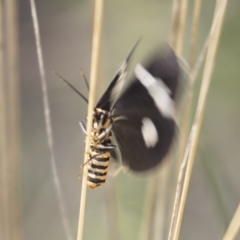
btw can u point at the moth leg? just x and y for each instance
(100, 123)
(105, 132)
(83, 127)
(103, 147)
(84, 164)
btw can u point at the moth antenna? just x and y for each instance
(83, 127)
(85, 78)
(135, 45)
(71, 86)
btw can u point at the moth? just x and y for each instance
(141, 118)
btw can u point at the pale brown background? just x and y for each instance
(66, 30)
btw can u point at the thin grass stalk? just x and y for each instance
(176, 41)
(193, 76)
(3, 140)
(163, 183)
(13, 212)
(193, 139)
(111, 210)
(149, 209)
(151, 204)
(176, 37)
(182, 23)
(188, 99)
(192, 56)
(174, 28)
(97, 28)
(47, 115)
(171, 185)
(154, 219)
(234, 226)
(194, 33)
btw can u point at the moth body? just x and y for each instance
(141, 118)
(100, 148)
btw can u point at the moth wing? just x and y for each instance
(115, 163)
(108, 98)
(139, 153)
(144, 124)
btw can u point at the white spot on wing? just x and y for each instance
(149, 133)
(157, 90)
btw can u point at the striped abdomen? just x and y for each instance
(97, 168)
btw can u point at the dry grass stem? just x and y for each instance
(3, 143)
(177, 28)
(184, 126)
(194, 33)
(11, 189)
(174, 28)
(182, 22)
(179, 10)
(160, 218)
(111, 210)
(234, 226)
(48, 122)
(149, 211)
(186, 114)
(193, 139)
(200, 59)
(98, 14)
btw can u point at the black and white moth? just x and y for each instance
(141, 118)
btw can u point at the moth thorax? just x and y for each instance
(101, 123)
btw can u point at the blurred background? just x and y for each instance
(66, 35)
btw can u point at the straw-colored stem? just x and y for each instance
(176, 38)
(194, 136)
(11, 192)
(150, 209)
(179, 11)
(48, 124)
(182, 22)
(111, 210)
(163, 196)
(194, 33)
(234, 226)
(3, 143)
(174, 28)
(188, 99)
(98, 14)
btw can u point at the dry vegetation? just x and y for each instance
(174, 199)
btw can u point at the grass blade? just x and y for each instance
(3, 141)
(193, 139)
(11, 188)
(194, 33)
(98, 14)
(234, 226)
(48, 122)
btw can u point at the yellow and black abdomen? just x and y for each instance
(97, 168)
(98, 161)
